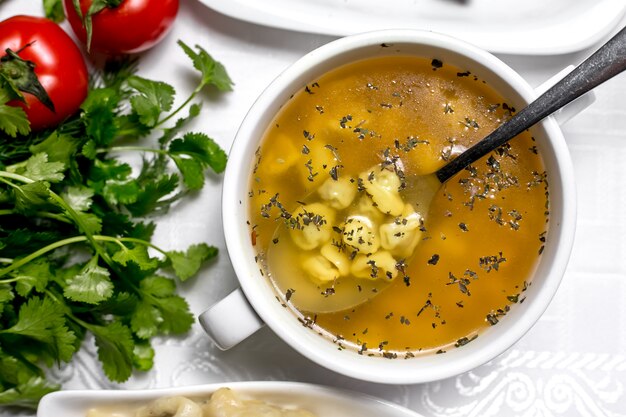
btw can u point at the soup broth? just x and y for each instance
(359, 244)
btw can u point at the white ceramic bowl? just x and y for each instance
(323, 401)
(260, 295)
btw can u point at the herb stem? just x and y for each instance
(46, 214)
(72, 213)
(182, 106)
(131, 148)
(6, 260)
(23, 261)
(142, 242)
(76, 239)
(17, 177)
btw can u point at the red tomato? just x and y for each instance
(133, 26)
(59, 66)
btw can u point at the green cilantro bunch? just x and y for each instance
(75, 232)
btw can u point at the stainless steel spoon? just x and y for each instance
(604, 64)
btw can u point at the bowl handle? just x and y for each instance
(572, 109)
(230, 320)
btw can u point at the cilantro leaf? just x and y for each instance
(91, 285)
(6, 293)
(124, 192)
(13, 120)
(173, 311)
(192, 154)
(120, 304)
(176, 316)
(90, 223)
(33, 275)
(89, 150)
(145, 320)
(158, 286)
(78, 197)
(59, 147)
(191, 170)
(54, 10)
(187, 264)
(150, 195)
(28, 393)
(213, 72)
(138, 255)
(100, 111)
(37, 168)
(115, 350)
(31, 197)
(143, 356)
(153, 98)
(43, 320)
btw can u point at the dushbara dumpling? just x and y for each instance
(383, 186)
(401, 236)
(337, 257)
(359, 232)
(380, 265)
(319, 268)
(314, 225)
(338, 193)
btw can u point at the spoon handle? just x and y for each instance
(604, 64)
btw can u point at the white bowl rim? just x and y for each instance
(51, 405)
(402, 372)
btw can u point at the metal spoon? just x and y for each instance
(605, 63)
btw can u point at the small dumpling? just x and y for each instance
(277, 160)
(313, 225)
(383, 185)
(171, 406)
(315, 163)
(338, 193)
(365, 207)
(380, 265)
(402, 235)
(319, 268)
(337, 257)
(360, 233)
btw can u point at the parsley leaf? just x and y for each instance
(213, 72)
(30, 197)
(38, 168)
(33, 275)
(43, 320)
(153, 98)
(115, 350)
(28, 393)
(91, 285)
(13, 119)
(54, 10)
(143, 356)
(201, 148)
(138, 255)
(186, 264)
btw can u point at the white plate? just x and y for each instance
(323, 401)
(534, 27)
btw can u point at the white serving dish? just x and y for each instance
(531, 27)
(323, 401)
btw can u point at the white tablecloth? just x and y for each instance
(572, 362)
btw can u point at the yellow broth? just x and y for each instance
(480, 237)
